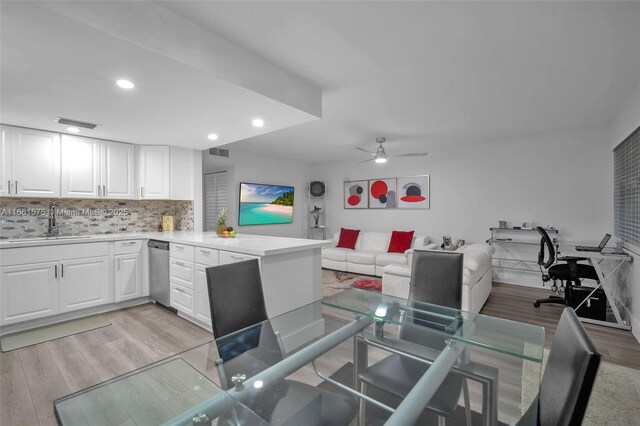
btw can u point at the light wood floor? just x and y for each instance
(516, 303)
(32, 378)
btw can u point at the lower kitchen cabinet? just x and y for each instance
(227, 257)
(128, 276)
(182, 299)
(203, 311)
(28, 292)
(84, 283)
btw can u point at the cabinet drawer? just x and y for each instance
(207, 256)
(182, 299)
(231, 257)
(181, 251)
(129, 246)
(181, 272)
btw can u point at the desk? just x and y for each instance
(595, 259)
(185, 389)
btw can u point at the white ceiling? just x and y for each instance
(420, 73)
(56, 65)
(425, 73)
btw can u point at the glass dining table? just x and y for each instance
(328, 344)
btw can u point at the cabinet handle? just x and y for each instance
(128, 243)
(237, 257)
(142, 191)
(55, 271)
(179, 264)
(16, 188)
(179, 247)
(9, 186)
(62, 270)
(99, 195)
(180, 290)
(104, 190)
(205, 251)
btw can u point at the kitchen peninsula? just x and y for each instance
(48, 280)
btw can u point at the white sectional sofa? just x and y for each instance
(476, 284)
(370, 255)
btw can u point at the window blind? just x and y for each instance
(626, 191)
(216, 197)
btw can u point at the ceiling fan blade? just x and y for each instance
(366, 161)
(415, 154)
(364, 150)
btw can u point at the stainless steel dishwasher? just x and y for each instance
(159, 274)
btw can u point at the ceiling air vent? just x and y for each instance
(76, 123)
(220, 152)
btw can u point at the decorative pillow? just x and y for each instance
(348, 238)
(400, 241)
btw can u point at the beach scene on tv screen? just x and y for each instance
(265, 204)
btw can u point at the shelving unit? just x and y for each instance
(518, 263)
(316, 230)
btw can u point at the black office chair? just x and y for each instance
(436, 278)
(247, 345)
(569, 273)
(568, 378)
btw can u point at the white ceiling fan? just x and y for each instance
(380, 156)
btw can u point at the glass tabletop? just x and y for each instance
(151, 396)
(255, 375)
(513, 338)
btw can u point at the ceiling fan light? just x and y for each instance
(380, 160)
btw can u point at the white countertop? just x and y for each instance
(258, 245)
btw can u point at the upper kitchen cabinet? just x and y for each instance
(181, 173)
(35, 164)
(6, 176)
(118, 177)
(154, 172)
(97, 169)
(81, 167)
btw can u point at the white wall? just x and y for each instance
(628, 291)
(561, 179)
(250, 167)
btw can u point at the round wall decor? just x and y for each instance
(316, 188)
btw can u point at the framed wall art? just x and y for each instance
(356, 194)
(382, 193)
(413, 192)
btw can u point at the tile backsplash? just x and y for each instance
(28, 217)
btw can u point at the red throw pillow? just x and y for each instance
(400, 241)
(348, 238)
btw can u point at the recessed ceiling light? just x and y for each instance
(258, 122)
(125, 84)
(212, 137)
(73, 129)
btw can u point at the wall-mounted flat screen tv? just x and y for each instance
(265, 204)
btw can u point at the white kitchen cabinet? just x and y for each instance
(6, 175)
(97, 169)
(128, 276)
(202, 310)
(181, 173)
(84, 283)
(28, 291)
(81, 167)
(226, 257)
(154, 172)
(182, 299)
(118, 177)
(35, 160)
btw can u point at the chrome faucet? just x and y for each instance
(52, 230)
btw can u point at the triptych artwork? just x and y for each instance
(411, 192)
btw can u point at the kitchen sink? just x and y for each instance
(70, 237)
